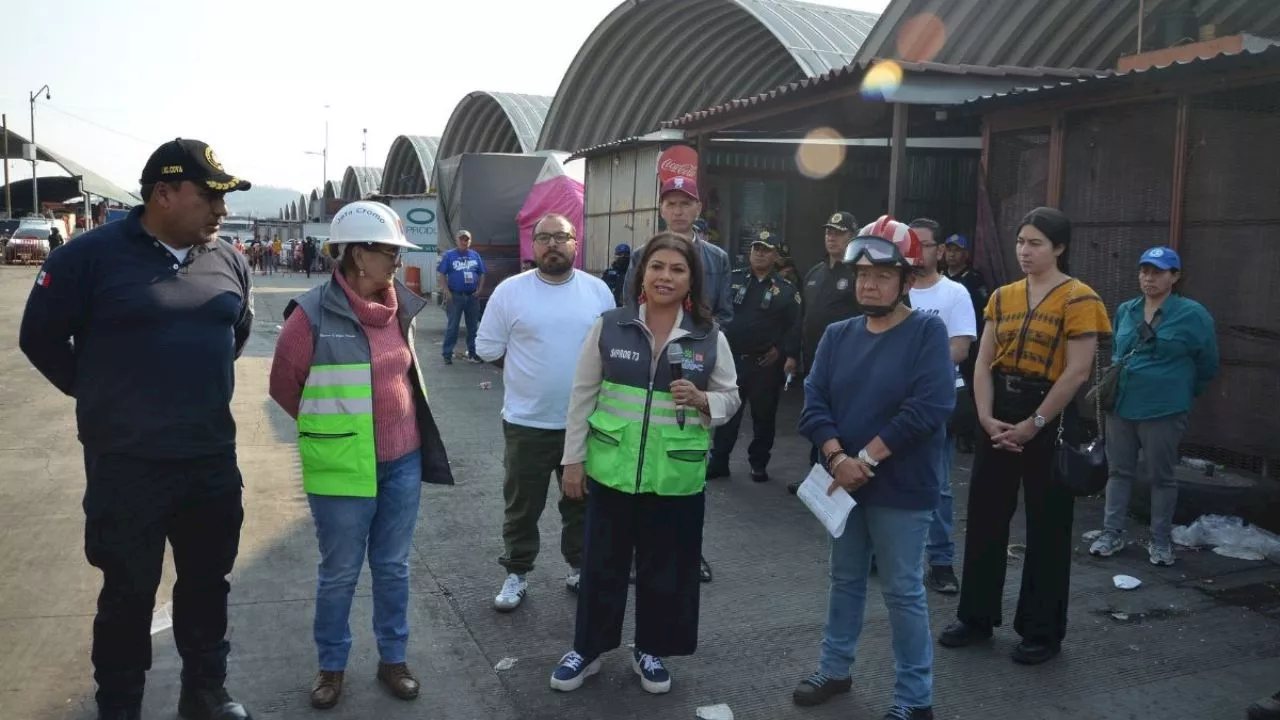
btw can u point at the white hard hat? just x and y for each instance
(366, 221)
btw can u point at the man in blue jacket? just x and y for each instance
(876, 404)
(460, 276)
(141, 321)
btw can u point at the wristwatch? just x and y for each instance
(1039, 421)
(865, 458)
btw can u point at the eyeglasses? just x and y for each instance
(560, 238)
(391, 252)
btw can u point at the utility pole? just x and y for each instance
(8, 196)
(364, 145)
(35, 149)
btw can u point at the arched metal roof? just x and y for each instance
(315, 202)
(332, 190)
(304, 207)
(652, 60)
(494, 122)
(1055, 33)
(409, 164)
(360, 182)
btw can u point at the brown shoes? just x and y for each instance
(327, 690)
(399, 680)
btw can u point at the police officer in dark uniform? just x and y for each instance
(141, 321)
(829, 294)
(765, 339)
(959, 267)
(828, 286)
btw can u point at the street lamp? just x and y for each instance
(35, 149)
(325, 165)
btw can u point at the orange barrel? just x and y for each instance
(413, 278)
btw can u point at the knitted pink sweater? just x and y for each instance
(395, 422)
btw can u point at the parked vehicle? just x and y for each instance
(29, 243)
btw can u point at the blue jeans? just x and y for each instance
(345, 527)
(897, 538)
(458, 306)
(941, 548)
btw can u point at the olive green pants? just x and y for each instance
(532, 454)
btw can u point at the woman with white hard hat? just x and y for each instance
(345, 368)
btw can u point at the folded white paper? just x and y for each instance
(831, 510)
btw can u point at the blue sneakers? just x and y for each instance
(572, 671)
(654, 677)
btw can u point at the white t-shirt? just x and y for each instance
(540, 329)
(950, 301)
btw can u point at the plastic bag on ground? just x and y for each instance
(1228, 536)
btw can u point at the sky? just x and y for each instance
(252, 77)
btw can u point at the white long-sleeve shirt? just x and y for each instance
(539, 328)
(722, 387)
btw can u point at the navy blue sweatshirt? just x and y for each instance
(898, 385)
(144, 344)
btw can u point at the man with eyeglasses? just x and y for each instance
(460, 276)
(534, 328)
(935, 294)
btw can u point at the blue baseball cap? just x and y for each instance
(959, 241)
(622, 249)
(1164, 258)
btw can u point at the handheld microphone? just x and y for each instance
(675, 357)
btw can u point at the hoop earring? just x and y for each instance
(643, 298)
(688, 304)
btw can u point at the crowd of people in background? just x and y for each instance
(629, 388)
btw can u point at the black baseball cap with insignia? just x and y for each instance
(843, 221)
(192, 160)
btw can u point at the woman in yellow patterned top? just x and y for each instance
(1037, 349)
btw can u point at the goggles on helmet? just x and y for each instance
(877, 251)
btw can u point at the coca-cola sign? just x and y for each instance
(678, 161)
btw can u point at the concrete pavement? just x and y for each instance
(1197, 641)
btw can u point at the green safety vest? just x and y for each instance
(635, 444)
(336, 440)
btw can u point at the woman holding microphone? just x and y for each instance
(651, 382)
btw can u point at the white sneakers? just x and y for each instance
(573, 580)
(514, 588)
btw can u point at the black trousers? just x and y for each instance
(1046, 568)
(761, 389)
(665, 535)
(132, 506)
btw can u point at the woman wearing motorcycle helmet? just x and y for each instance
(877, 400)
(346, 370)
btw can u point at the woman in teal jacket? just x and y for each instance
(1168, 348)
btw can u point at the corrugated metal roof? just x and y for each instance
(409, 164)
(853, 74)
(94, 183)
(656, 136)
(494, 122)
(360, 182)
(1223, 62)
(1055, 33)
(332, 189)
(650, 60)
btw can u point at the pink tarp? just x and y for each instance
(558, 193)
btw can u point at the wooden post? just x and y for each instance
(898, 159)
(1181, 137)
(1057, 160)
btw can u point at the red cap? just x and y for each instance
(680, 184)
